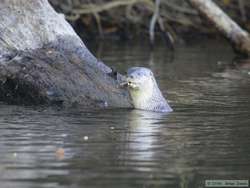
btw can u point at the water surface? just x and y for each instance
(206, 137)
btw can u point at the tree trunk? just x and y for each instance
(237, 36)
(42, 60)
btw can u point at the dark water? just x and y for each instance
(206, 137)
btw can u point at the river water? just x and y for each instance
(206, 137)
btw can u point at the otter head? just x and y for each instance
(141, 83)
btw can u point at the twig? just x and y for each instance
(72, 17)
(153, 22)
(181, 9)
(87, 9)
(98, 21)
(167, 35)
(134, 19)
(242, 10)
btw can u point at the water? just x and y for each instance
(206, 137)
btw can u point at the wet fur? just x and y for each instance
(150, 98)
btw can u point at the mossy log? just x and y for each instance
(239, 38)
(43, 61)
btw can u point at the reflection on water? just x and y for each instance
(206, 137)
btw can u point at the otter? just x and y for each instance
(144, 90)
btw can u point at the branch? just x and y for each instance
(229, 28)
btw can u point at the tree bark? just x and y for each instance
(42, 60)
(231, 30)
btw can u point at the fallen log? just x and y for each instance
(239, 38)
(43, 61)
